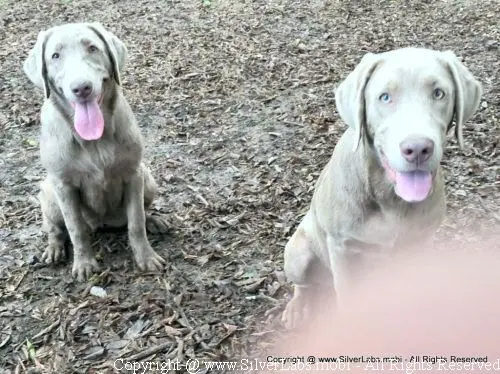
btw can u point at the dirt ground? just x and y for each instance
(235, 99)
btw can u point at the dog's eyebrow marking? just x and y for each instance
(392, 86)
(433, 82)
(86, 41)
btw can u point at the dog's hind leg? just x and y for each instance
(155, 223)
(150, 187)
(53, 224)
(304, 270)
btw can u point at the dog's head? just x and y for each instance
(77, 62)
(402, 103)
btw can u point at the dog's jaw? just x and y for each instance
(412, 186)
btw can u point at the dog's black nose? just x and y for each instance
(82, 89)
(417, 149)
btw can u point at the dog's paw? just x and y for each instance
(157, 224)
(149, 260)
(294, 313)
(53, 253)
(84, 268)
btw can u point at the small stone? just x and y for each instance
(98, 291)
(301, 47)
(484, 105)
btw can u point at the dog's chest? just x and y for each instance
(378, 230)
(102, 195)
(108, 159)
(101, 173)
(392, 231)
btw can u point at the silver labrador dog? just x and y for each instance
(90, 146)
(383, 189)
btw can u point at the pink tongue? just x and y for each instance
(89, 122)
(413, 186)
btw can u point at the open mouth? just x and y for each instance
(88, 119)
(411, 186)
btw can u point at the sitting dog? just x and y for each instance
(90, 146)
(382, 190)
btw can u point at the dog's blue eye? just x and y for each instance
(385, 97)
(55, 56)
(92, 48)
(438, 93)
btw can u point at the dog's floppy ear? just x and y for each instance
(34, 66)
(350, 95)
(468, 92)
(117, 51)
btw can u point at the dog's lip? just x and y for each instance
(391, 172)
(99, 101)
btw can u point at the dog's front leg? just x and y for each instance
(84, 262)
(146, 258)
(340, 268)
